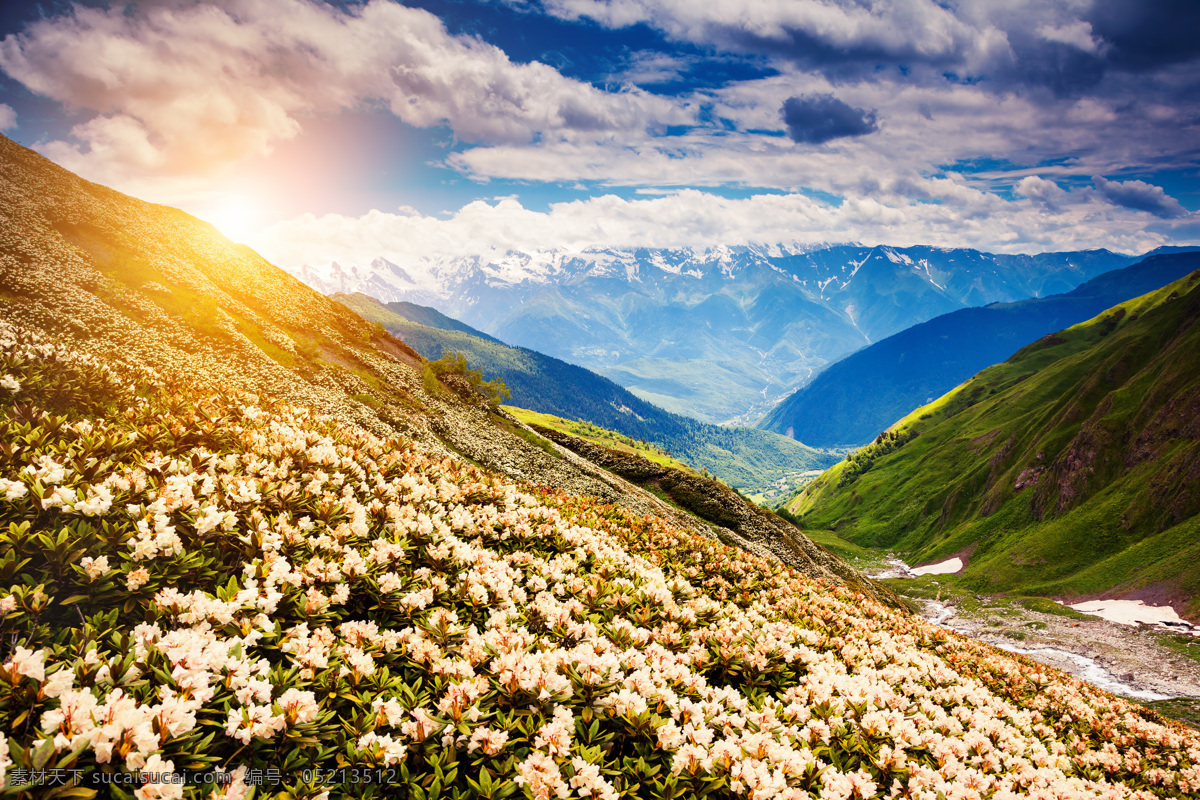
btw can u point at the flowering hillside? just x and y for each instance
(109, 273)
(246, 596)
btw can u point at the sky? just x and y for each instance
(319, 131)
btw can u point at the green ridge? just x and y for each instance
(1071, 469)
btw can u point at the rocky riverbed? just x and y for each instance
(1144, 662)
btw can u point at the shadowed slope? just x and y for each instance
(850, 402)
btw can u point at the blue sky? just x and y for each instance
(320, 131)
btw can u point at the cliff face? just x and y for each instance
(154, 286)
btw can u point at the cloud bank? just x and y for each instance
(692, 218)
(1025, 125)
(190, 88)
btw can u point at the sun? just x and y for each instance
(235, 215)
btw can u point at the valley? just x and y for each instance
(1155, 664)
(750, 459)
(720, 334)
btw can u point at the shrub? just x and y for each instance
(494, 391)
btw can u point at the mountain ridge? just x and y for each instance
(1072, 469)
(720, 333)
(853, 400)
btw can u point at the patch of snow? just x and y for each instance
(942, 568)
(1131, 612)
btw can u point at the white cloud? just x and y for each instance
(187, 88)
(1077, 34)
(956, 216)
(1139, 196)
(921, 28)
(8, 117)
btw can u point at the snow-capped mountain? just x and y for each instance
(719, 333)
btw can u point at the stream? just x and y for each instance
(1083, 667)
(1127, 648)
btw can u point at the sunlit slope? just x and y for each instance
(156, 285)
(1073, 468)
(206, 580)
(745, 457)
(597, 435)
(112, 274)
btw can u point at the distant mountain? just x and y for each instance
(719, 333)
(850, 402)
(432, 318)
(1072, 469)
(745, 457)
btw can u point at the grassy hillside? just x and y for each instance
(1071, 469)
(749, 459)
(602, 436)
(852, 401)
(208, 583)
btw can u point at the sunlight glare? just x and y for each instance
(235, 215)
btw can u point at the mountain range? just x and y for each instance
(720, 333)
(1072, 469)
(852, 401)
(747, 458)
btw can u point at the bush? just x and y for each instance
(493, 391)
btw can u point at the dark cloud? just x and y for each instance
(1062, 68)
(1148, 34)
(818, 118)
(1140, 196)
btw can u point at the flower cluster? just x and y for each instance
(217, 580)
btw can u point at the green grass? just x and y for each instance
(366, 400)
(1107, 509)
(1048, 606)
(527, 435)
(601, 436)
(1184, 709)
(1181, 643)
(847, 551)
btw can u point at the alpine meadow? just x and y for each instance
(596, 400)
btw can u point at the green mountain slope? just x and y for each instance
(850, 402)
(744, 457)
(1071, 469)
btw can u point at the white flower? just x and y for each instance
(13, 490)
(137, 579)
(94, 567)
(5, 761)
(30, 663)
(10, 383)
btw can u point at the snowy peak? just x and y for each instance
(718, 332)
